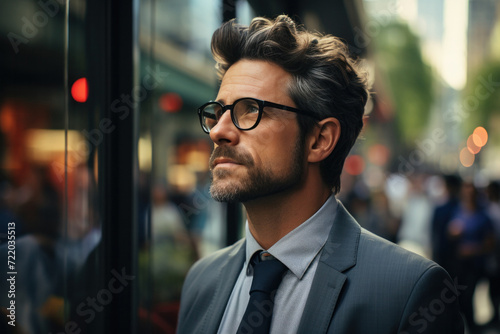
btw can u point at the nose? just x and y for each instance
(225, 132)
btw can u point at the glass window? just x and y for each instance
(61, 118)
(49, 218)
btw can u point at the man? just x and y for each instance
(289, 109)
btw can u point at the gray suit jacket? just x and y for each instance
(363, 284)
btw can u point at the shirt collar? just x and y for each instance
(297, 249)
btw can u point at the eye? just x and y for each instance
(218, 112)
(252, 109)
(247, 107)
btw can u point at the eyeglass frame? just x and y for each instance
(261, 103)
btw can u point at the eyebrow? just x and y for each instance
(221, 101)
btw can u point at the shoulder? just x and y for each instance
(206, 280)
(370, 261)
(389, 266)
(367, 252)
(392, 266)
(403, 284)
(388, 255)
(206, 268)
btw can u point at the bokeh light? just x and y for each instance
(170, 102)
(480, 136)
(354, 164)
(466, 157)
(80, 90)
(471, 145)
(378, 154)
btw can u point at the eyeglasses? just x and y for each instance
(245, 113)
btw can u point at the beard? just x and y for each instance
(258, 182)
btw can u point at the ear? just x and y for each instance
(323, 139)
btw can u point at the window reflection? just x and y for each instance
(31, 186)
(48, 162)
(47, 183)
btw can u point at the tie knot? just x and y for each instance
(267, 274)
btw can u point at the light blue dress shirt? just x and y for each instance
(299, 251)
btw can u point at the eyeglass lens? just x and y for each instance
(245, 114)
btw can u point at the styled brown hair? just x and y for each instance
(326, 81)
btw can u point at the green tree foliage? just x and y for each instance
(408, 78)
(481, 98)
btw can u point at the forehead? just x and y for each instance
(255, 78)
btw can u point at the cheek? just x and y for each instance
(277, 155)
(275, 143)
(272, 130)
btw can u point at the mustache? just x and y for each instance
(232, 153)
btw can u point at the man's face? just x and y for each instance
(267, 160)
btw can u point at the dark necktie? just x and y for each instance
(267, 275)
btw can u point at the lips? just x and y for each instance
(229, 155)
(223, 160)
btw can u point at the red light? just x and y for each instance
(170, 102)
(80, 90)
(354, 165)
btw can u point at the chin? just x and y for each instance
(224, 192)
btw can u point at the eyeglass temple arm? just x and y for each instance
(295, 110)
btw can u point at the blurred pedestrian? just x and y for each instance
(472, 230)
(442, 247)
(414, 231)
(493, 192)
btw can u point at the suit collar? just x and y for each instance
(338, 255)
(341, 248)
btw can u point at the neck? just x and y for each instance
(272, 217)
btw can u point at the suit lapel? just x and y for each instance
(338, 255)
(228, 275)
